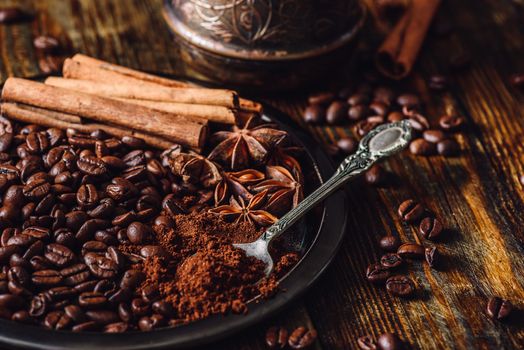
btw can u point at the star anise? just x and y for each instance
(240, 210)
(234, 183)
(285, 189)
(193, 168)
(251, 144)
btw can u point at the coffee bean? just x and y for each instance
(366, 342)
(87, 196)
(86, 327)
(433, 136)
(276, 337)
(399, 285)
(433, 257)
(451, 122)
(358, 112)
(517, 79)
(75, 313)
(498, 308)
(379, 108)
(302, 338)
(389, 243)
(389, 341)
(23, 317)
(336, 112)
(102, 316)
(411, 251)
(391, 260)
(131, 279)
(376, 273)
(448, 148)
(149, 251)
(139, 307)
(418, 122)
(347, 145)
(138, 232)
(365, 126)
(358, 99)
(39, 305)
(117, 327)
(46, 278)
(92, 300)
(75, 274)
(430, 228)
(166, 309)
(92, 166)
(377, 176)
(7, 251)
(314, 114)
(101, 266)
(409, 100)
(134, 158)
(322, 98)
(410, 210)
(395, 117)
(59, 255)
(9, 15)
(121, 189)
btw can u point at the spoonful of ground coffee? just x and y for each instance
(381, 142)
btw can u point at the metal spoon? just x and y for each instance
(379, 143)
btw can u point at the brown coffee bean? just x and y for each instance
(399, 285)
(433, 257)
(39, 305)
(75, 313)
(389, 243)
(448, 148)
(358, 99)
(9, 15)
(376, 273)
(276, 337)
(336, 112)
(23, 317)
(321, 98)
(366, 342)
(391, 260)
(117, 327)
(92, 300)
(517, 79)
(379, 108)
(75, 274)
(451, 122)
(433, 136)
(102, 316)
(365, 126)
(86, 327)
(139, 307)
(418, 122)
(389, 341)
(134, 158)
(131, 279)
(377, 176)
(347, 145)
(438, 82)
(358, 112)
(409, 100)
(92, 166)
(395, 117)
(301, 338)
(121, 189)
(100, 266)
(59, 255)
(87, 196)
(498, 308)
(46, 278)
(149, 251)
(411, 251)
(137, 232)
(431, 228)
(164, 308)
(314, 114)
(410, 210)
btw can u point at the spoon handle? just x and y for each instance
(381, 142)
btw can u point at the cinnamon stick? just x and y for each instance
(398, 52)
(98, 65)
(150, 91)
(130, 94)
(172, 127)
(48, 118)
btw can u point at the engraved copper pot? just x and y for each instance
(264, 44)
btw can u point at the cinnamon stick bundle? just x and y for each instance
(52, 119)
(398, 52)
(150, 91)
(120, 74)
(169, 126)
(138, 95)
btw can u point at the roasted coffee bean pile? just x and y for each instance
(97, 234)
(383, 272)
(370, 105)
(299, 338)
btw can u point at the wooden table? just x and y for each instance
(477, 195)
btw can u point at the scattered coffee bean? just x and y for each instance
(433, 136)
(433, 257)
(517, 79)
(314, 114)
(302, 338)
(430, 228)
(399, 285)
(448, 147)
(498, 308)
(366, 342)
(410, 210)
(422, 147)
(376, 273)
(451, 122)
(395, 116)
(391, 260)
(377, 176)
(389, 243)
(336, 112)
(358, 99)
(389, 341)
(276, 337)
(358, 112)
(347, 145)
(411, 251)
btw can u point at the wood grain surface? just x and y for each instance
(477, 195)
